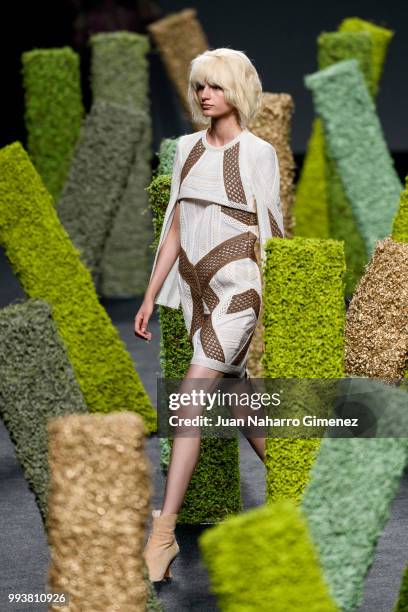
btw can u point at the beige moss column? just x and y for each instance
(273, 124)
(179, 38)
(99, 502)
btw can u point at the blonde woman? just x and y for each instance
(224, 197)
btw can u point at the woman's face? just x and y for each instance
(213, 103)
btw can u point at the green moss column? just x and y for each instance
(53, 111)
(37, 383)
(355, 141)
(304, 317)
(97, 180)
(49, 267)
(265, 559)
(350, 492)
(400, 223)
(402, 603)
(322, 208)
(120, 75)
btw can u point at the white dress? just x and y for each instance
(219, 279)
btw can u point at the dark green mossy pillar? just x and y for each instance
(120, 75)
(37, 383)
(97, 180)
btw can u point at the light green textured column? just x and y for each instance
(49, 267)
(167, 152)
(304, 317)
(351, 488)
(312, 199)
(120, 74)
(264, 559)
(356, 143)
(332, 47)
(53, 111)
(368, 43)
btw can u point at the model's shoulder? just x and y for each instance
(258, 144)
(187, 140)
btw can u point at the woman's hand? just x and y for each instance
(142, 319)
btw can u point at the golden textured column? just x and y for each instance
(273, 124)
(179, 38)
(376, 330)
(98, 506)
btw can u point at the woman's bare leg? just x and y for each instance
(258, 444)
(184, 456)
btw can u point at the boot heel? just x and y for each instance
(167, 573)
(161, 548)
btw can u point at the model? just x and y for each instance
(224, 197)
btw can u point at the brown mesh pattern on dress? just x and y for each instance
(243, 351)
(232, 176)
(192, 158)
(275, 230)
(210, 297)
(237, 247)
(188, 273)
(244, 216)
(198, 277)
(209, 340)
(246, 299)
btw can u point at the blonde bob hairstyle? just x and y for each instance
(234, 72)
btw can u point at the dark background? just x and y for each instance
(279, 37)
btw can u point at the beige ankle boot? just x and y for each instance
(161, 548)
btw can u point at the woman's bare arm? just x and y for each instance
(168, 254)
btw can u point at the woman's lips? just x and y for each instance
(206, 105)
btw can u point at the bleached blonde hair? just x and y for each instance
(234, 72)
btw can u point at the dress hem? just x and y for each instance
(217, 365)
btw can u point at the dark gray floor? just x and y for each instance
(24, 553)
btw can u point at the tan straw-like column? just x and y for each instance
(377, 319)
(273, 124)
(99, 497)
(179, 38)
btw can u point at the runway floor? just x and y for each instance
(24, 553)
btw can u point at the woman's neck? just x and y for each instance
(222, 130)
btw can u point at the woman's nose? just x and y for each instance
(206, 91)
